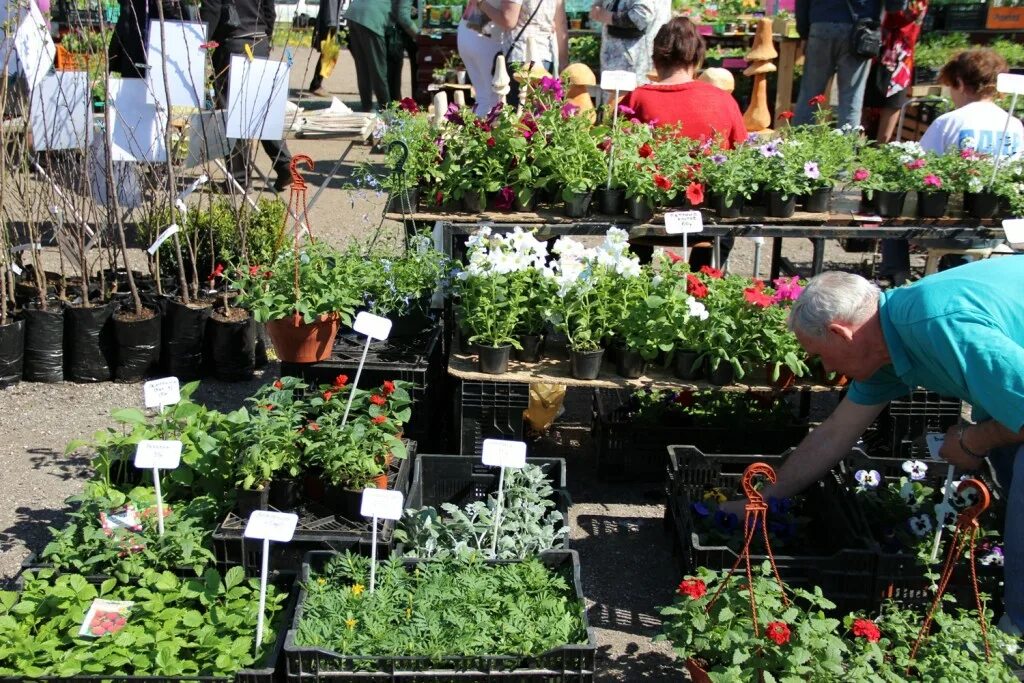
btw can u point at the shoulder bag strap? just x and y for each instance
(523, 29)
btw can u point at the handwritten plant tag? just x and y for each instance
(161, 392)
(502, 453)
(382, 504)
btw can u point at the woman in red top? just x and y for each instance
(700, 110)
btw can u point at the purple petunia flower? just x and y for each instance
(811, 170)
(453, 115)
(770, 149)
(553, 85)
(440, 144)
(718, 158)
(700, 509)
(569, 109)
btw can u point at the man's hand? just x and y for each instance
(954, 455)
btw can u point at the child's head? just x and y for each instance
(971, 75)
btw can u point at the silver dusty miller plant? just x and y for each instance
(529, 523)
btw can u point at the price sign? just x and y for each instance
(502, 453)
(373, 326)
(1011, 84)
(683, 222)
(621, 81)
(382, 504)
(1014, 229)
(271, 526)
(151, 453)
(161, 392)
(935, 441)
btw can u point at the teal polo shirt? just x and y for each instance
(959, 333)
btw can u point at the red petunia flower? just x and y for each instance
(817, 100)
(327, 395)
(268, 274)
(438, 197)
(646, 151)
(713, 273)
(695, 588)
(662, 182)
(673, 256)
(380, 419)
(341, 380)
(278, 385)
(388, 387)
(409, 105)
(777, 631)
(695, 194)
(377, 400)
(865, 628)
(757, 297)
(694, 287)
(758, 284)
(685, 399)
(269, 406)
(786, 115)
(491, 142)
(605, 144)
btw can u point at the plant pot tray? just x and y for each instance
(318, 529)
(569, 662)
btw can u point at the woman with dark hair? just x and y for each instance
(697, 109)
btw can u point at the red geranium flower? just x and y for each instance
(713, 273)
(438, 197)
(694, 287)
(817, 100)
(662, 182)
(388, 387)
(409, 105)
(695, 194)
(490, 142)
(646, 151)
(268, 274)
(380, 419)
(377, 400)
(777, 631)
(278, 385)
(327, 395)
(865, 628)
(758, 284)
(695, 588)
(341, 380)
(786, 115)
(757, 297)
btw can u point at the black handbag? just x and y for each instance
(867, 36)
(631, 33)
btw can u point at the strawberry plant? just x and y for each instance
(176, 627)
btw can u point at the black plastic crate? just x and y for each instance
(969, 17)
(318, 529)
(910, 418)
(841, 561)
(416, 359)
(267, 674)
(934, 19)
(570, 662)
(691, 471)
(490, 410)
(632, 451)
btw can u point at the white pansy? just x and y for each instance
(921, 525)
(916, 469)
(945, 513)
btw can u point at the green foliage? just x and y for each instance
(710, 408)
(732, 173)
(886, 168)
(267, 436)
(585, 50)
(400, 284)
(177, 627)
(528, 522)
(437, 609)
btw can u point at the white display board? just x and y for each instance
(207, 138)
(60, 111)
(34, 46)
(186, 64)
(126, 176)
(136, 131)
(257, 94)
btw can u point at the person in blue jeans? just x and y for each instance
(826, 26)
(959, 333)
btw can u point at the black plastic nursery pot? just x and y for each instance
(577, 204)
(610, 201)
(688, 365)
(640, 209)
(414, 321)
(725, 209)
(12, 352)
(586, 364)
(494, 359)
(184, 330)
(231, 347)
(630, 364)
(525, 200)
(932, 204)
(981, 204)
(248, 501)
(722, 375)
(90, 347)
(532, 348)
(44, 344)
(474, 202)
(404, 201)
(818, 201)
(138, 345)
(780, 206)
(888, 204)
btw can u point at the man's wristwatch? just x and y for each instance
(963, 446)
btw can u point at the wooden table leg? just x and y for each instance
(818, 259)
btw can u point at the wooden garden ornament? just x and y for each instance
(501, 84)
(758, 118)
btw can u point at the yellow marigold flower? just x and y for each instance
(357, 588)
(321, 581)
(351, 623)
(716, 495)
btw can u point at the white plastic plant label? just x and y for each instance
(502, 453)
(161, 392)
(679, 222)
(373, 326)
(163, 237)
(1014, 230)
(15, 269)
(382, 504)
(105, 617)
(623, 81)
(271, 526)
(935, 441)
(1011, 84)
(154, 453)
(33, 246)
(125, 518)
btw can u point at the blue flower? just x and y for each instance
(727, 521)
(780, 506)
(701, 509)
(718, 158)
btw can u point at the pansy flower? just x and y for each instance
(700, 509)
(916, 469)
(727, 521)
(921, 525)
(868, 479)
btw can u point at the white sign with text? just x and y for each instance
(153, 453)
(502, 453)
(161, 392)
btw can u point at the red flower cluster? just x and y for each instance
(377, 399)
(685, 399)
(217, 272)
(694, 287)
(695, 194)
(713, 273)
(409, 105)
(490, 142)
(817, 100)
(380, 419)
(695, 588)
(865, 628)
(340, 380)
(254, 271)
(327, 395)
(388, 387)
(662, 182)
(786, 115)
(605, 145)
(778, 631)
(673, 256)
(646, 151)
(278, 385)
(754, 295)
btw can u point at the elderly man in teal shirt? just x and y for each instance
(960, 333)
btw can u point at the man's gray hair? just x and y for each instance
(831, 297)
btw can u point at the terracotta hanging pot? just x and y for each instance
(298, 342)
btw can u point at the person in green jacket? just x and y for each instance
(369, 22)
